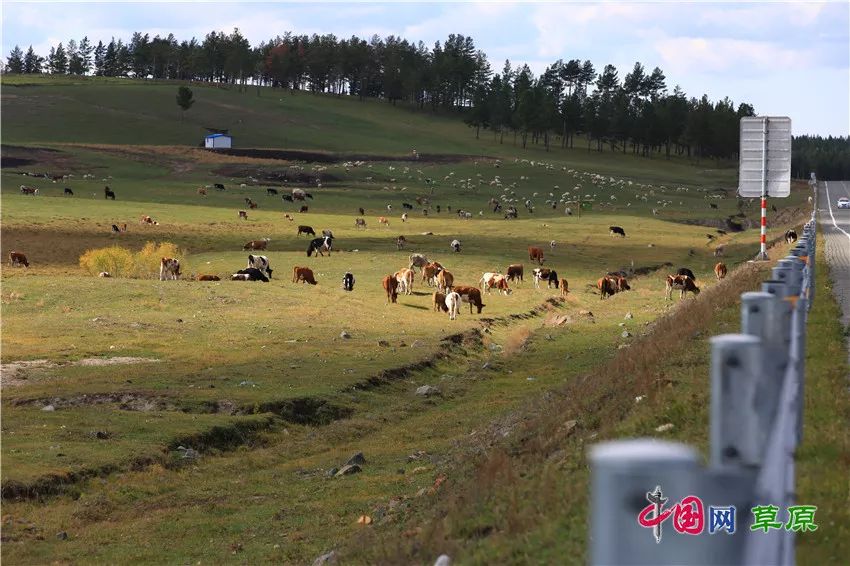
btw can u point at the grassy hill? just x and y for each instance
(257, 378)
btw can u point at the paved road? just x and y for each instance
(835, 226)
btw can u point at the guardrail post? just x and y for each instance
(738, 418)
(780, 289)
(622, 474)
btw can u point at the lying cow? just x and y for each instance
(545, 274)
(514, 272)
(249, 274)
(303, 274)
(471, 295)
(790, 236)
(257, 245)
(536, 254)
(681, 283)
(390, 284)
(208, 278)
(260, 262)
(243, 214)
(348, 281)
(17, 259)
(169, 268)
(720, 270)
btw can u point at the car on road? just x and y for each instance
(843, 202)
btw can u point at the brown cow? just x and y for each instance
(440, 302)
(565, 287)
(429, 273)
(720, 270)
(607, 287)
(536, 254)
(681, 283)
(256, 244)
(471, 295)
(145, 219)
(445, 280)
(17, 258)
(391, 287)
(514, 272)
(304, 208)
(303, 274)
(208, 278)
(202, 191)
(302, 229)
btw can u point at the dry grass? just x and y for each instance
(517, 340)
(121, 262)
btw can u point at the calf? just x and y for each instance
(243, 214)
(453, 305)
(617, 231)
(169, 268)
(306, 230)
(260, 262)
(439, 302)
(471, 295)
(405, 280)
(536, 254)
(17, 258)
(445, 280)
(681, 283)
(303, 274)
(390, 284)
(720, 270)
(257, 244)
(107, 193)
(790, 236)
(455, 245)
(565, 288)
(319, 246)
(69, 192)
(249, 274)
(348, 281)
(208, 278)
(515, 272)
(545, 274)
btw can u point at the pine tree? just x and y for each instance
(100, 60)
(32, 62)
(84, 51)
(184, 99)
(15, 61)
(57, 62)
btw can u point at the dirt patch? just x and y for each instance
(325, 157)
(59, 162)
(730, 224)
(14, 374)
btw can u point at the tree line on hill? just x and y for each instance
(636, 114)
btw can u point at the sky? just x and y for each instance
(785, 58)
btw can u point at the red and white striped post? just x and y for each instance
(763, 250)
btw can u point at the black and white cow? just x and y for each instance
(348, 281)
(687, 273)
(261, 263)
(250, 274)
(320, 245)
(545, 274)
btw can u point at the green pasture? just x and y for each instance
(256, 376)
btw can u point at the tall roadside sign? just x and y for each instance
(764, 169)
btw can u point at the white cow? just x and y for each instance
(260, 262)
(453, 304)
(169, 268)
(455, 245)
(490, 280)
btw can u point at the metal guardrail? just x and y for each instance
(756, 414)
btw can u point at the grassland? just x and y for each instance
(256, 377)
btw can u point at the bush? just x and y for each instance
(121, 262)
(116, 260)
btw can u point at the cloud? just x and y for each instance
(719, 56)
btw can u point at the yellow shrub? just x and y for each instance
(116, 260)
(147, 260)
(121, 262)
